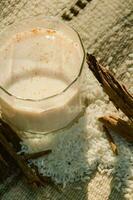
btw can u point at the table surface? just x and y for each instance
(105, 28)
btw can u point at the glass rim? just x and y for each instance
(71, 84)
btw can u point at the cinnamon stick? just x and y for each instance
(117, 92)
(119, 126)
(26, 170)
(2, 160)
(111, 141)
(10, 135)
(36, 155)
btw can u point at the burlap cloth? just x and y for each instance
(106, 30)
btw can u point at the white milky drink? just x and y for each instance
(39, 67)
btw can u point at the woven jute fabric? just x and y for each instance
(106, 30)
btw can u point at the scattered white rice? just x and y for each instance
(78, 151)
